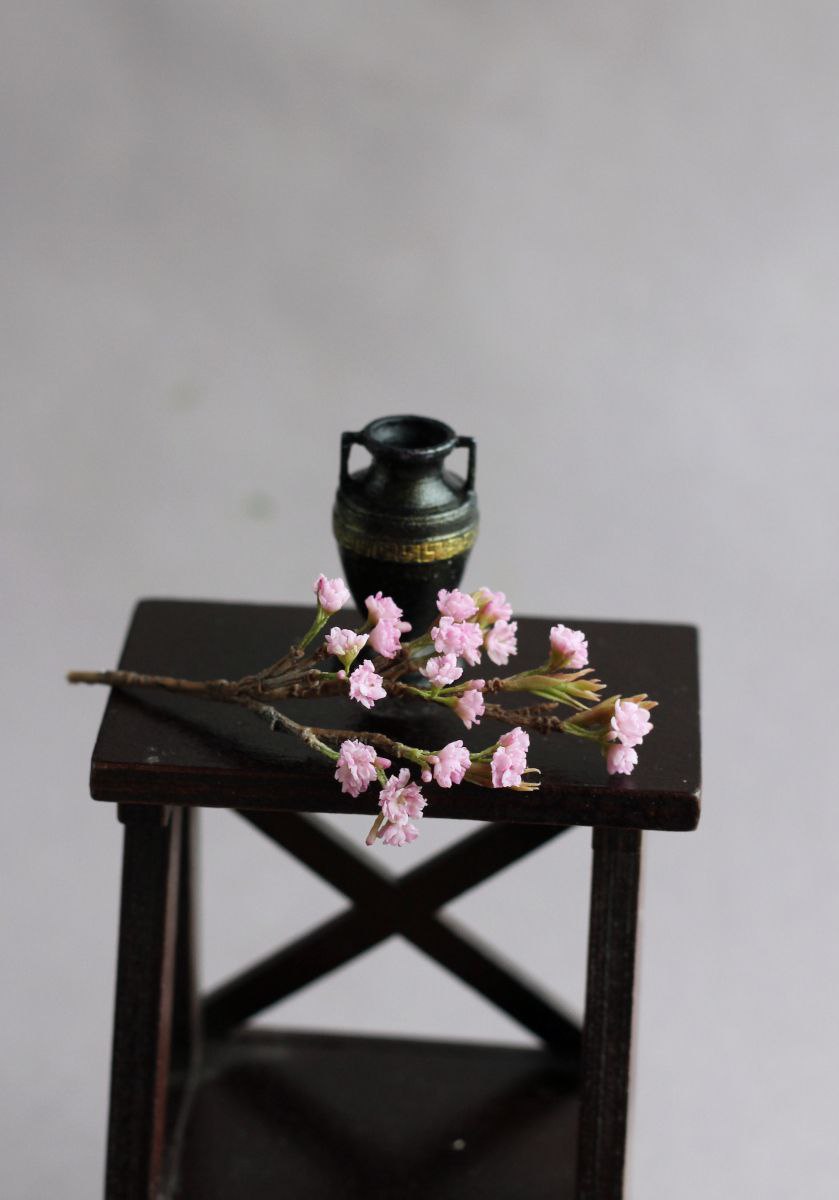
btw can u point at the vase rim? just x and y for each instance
(408, 438)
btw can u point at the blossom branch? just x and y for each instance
(467, 627)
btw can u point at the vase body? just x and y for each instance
(404, 524)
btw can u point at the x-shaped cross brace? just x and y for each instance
(384, 906)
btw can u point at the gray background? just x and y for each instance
(600, 237)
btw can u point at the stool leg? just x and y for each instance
(143, 1006)
(607, 1032)
(186, 1017)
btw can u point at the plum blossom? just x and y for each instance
(461, 638)
(500, 642)
(492, 606)
(385, 635)
(450, 764)
(470, 704)
(620, 759)
(398, 835)
(630, 724)
(332, 594)
(442, 670)
(356, 768)
(401, 798)
(456, 604)
(509, 762)
(366, 685)
(569, 647)
(345, 644)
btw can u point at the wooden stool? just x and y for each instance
(201, 1109)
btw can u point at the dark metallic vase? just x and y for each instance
(404, 524)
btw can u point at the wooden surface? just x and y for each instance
(319, 1116)
(155, 747)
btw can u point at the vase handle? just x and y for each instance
(348, 440)
(468, 442)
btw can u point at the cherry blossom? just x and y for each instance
(345, 643)
(356, 768)
(366, 685)
(332, 594)
(500, 642)
(630, 724)
(450, 764)
(456, 604)
(470, 704)
(569, 647)
(384, 608)
(620, 759)
(493, 606)
(401, 798)
(462, 638)
(442, 670)
(398, 835)
(385, 635)
(509, 762)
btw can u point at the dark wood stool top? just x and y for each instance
(158, 748)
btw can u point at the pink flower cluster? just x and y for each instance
(462, 629)
(388, 626)
(509, 762)
(400, 800)
(463, 639)
(356, 768)
(629, 726)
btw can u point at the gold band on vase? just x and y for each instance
(431, 550)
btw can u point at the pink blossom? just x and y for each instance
(630, 724)
(509, 762)
(506, 769)
(447, 637)
(366, 685)
(401, 798)
(462, 638)
(493, 606)
(356, 767)
(383, 608)
(501, 642)
(332, 594)
(456, 604)
(398, 835)
(620, 759)
(442, 670)
(450, 764)
(470, 706)
(345, 643)
(385, 635)
(569, 647)
(516, 740)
